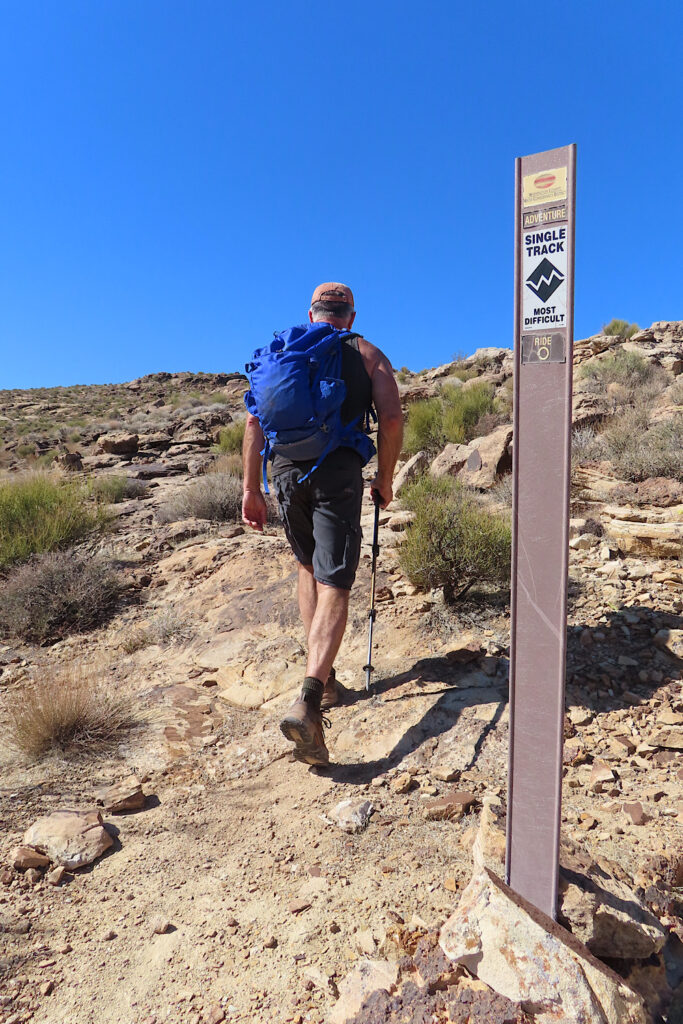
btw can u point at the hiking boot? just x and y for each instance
(330, 695)
(303, 726)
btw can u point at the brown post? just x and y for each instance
(544, 331)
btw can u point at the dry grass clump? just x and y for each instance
(75, 709)
(230, 464)
(169, 627)
(113, 489)
(453, 542)
(39, 512)
(215, 496)
(57, 594)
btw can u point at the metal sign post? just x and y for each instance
(544, 304)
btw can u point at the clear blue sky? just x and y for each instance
(179, 174)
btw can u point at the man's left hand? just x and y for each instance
(382, 489)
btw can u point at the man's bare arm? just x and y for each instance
(387, 402)
(254, 509)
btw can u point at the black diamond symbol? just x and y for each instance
(545, 280)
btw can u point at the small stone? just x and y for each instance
(70, 838)
(46, 988)
(450, 807)
(126, 795)
(231, 922)
(403, 783)
(298, 906)
(352, 815)
(24, 857)
(446, 774)
(270, 943)
(635, 812)
(215, 1014)
(33, 875)
(333, 928)
(159, 925)
(601, 773)
(56, 876)
(65, 948)
(108, 935)
(450, 885)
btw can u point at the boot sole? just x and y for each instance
(304, 748)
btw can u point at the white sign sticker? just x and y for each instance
(544, 279)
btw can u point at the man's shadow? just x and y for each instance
(435, 675)
(595, 679)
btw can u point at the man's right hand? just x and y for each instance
(254, 510)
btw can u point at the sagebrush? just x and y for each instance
(230, 438)
(451, 417)
(57, 594)
(216, 497)
(453, 542)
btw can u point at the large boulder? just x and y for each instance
(413, 468)
(490, 457)
(528, 958)
(645, 532)
(117, 443)
(450, 461)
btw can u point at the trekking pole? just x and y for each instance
(373, 579)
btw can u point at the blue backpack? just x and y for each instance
(297, 392)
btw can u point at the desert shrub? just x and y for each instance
(639, 379)
(74, 709)
(587, 446)
(638, 451)
(215, 496)
(463, 408)
(620, 328)
(231, 464)
(453, 542)
(41, 513)
(57, 594)
(24, 450)
(113, 489)
(424, 427)
(502, 490)
(676, 392)
(230, 438)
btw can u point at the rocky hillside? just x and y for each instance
(200, 875)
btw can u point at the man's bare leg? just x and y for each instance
(308, 596)
(327, 630)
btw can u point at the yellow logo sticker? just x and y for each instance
(544, 186)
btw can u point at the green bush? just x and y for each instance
(453, 542)
(424, 427)
(57, 594)
(451, 417)
(230, 438)
(620, 328)
(40, 513)
(463, 408)
(24, 450)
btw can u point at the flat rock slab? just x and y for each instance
(71, 839)
(367, 977)
(528, 958)
(126, 795)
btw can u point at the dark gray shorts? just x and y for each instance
(321, 516)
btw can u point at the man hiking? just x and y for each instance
(320, 495)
